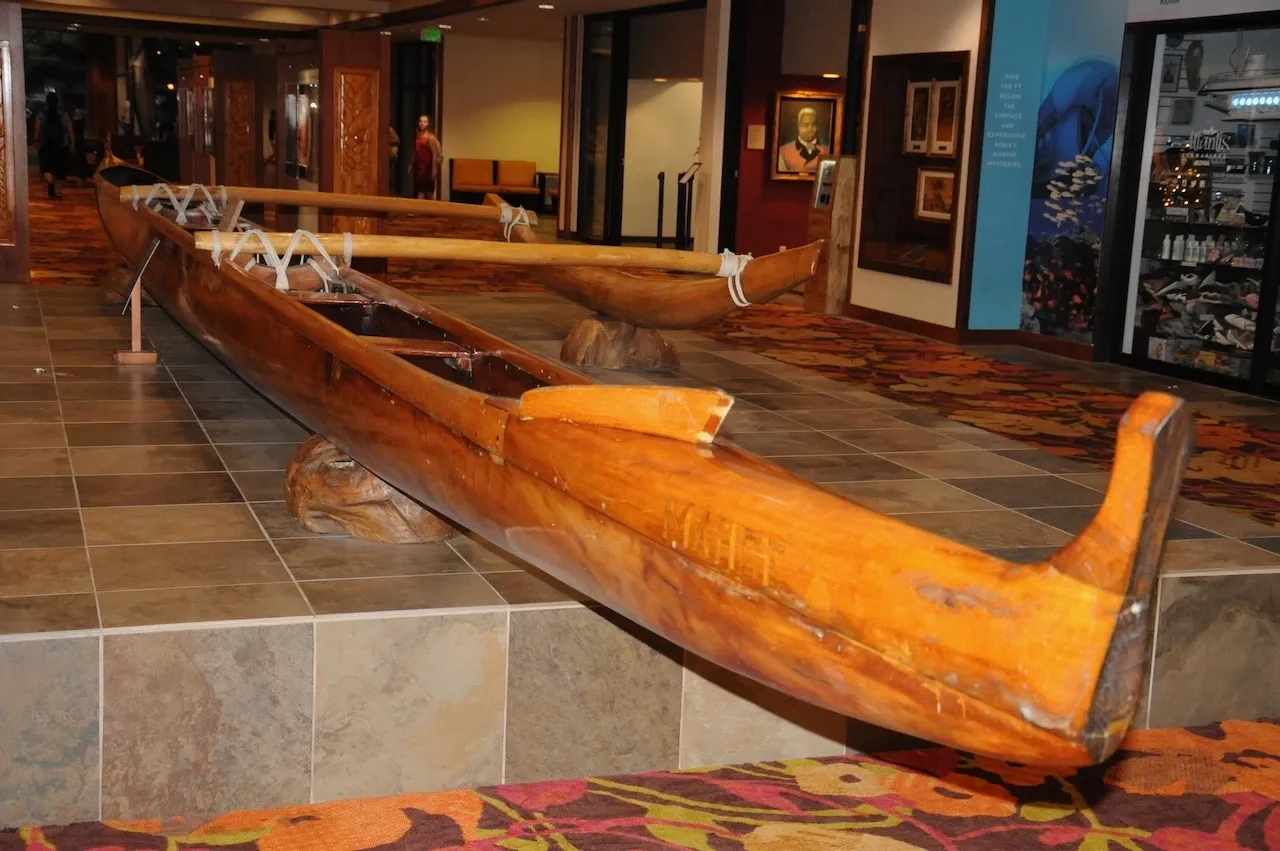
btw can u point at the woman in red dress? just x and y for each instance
(426, 160)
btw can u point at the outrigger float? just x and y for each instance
(631, 496)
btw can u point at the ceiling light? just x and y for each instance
(831, 76)
(264, 39)
(197, 44)
(386, 32)
(169, 86)
(157, 53)
(484, 19)
(545, 6)
(659, 79)
(444, 26)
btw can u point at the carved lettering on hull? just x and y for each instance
(8, 221)
(357, 158)
(239, 151)
(739, 552)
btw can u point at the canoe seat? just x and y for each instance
(680, 413)
(418, 348)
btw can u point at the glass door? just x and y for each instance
(1201, 293)
(604, 115)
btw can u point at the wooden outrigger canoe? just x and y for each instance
(691, 291)
(629, 495)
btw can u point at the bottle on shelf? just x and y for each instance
(1210, 250)
(1179, 248)
(1191, 250)
(1166, 247)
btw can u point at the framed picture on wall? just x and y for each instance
(935, 194)
(944, 111)
(1170, 72)
(1183, 111)
(806, 128)
(916, 128)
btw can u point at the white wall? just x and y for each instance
(663, 120)
(706, 186)
(815, 37)
(921, 26)
(500, 100)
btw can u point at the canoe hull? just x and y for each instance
(563, 497)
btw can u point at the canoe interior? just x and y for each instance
(472, 367)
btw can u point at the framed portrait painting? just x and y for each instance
(919, 108)
(806, 129)
(935, 194)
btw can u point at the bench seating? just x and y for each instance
(518, 181)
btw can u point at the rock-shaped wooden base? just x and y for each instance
(329, 492)
(611, 344)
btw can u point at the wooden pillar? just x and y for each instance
(237, 142)
(186, 120)
(101, 109)
(355, 121)
(827, 291)
(15, 259)
(203, 131)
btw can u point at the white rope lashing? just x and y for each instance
(511, 219)
(209, 206)
(731, 267)
(280, 263)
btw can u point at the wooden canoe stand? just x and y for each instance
(328, 492)
(135, 355)
(608, 343)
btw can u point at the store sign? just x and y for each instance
(1211, 144)
(1046, 161)
(1018, 45)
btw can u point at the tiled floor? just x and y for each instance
(142, 496)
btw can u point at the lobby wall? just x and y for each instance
(500, 99)
(771, 213)
(662, 135)
(922, 26)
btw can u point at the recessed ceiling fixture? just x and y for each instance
(546, 6)
(444, 26)
(831, 76)
(197, 44)
(484, 19)
(386, 32)
(659, 79)
(264, 39)
(169, 86)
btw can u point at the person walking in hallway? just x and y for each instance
(52, 132)
(426, 160)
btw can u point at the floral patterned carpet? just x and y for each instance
(1236, 464)
(1209, 788)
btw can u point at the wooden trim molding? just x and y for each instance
(902, 323)
(973, 167)
(959, 337)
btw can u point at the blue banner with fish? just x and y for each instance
(1067, 169)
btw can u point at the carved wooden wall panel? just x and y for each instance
(356, 134)
(8, 218)
(239, 140)
(15, 259)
